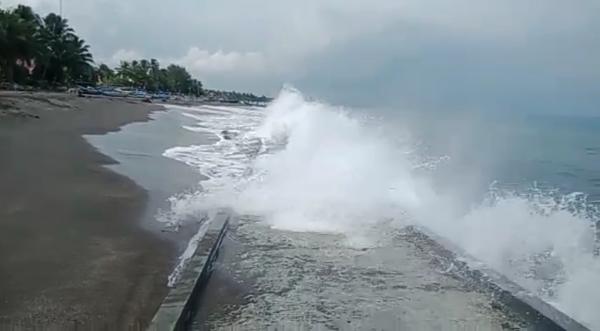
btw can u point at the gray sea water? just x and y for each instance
(137, 150)
(555, 151)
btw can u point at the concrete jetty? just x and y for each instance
(299, 279)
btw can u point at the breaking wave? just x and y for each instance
(307, 166)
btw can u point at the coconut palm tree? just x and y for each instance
(27, 14)
(124, 73)
(144, 73)
(105, 74)
(154, 75)
(17, 39)
(77, 59)
(64, 56)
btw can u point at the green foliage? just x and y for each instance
(105, 74)
(45, 51)
(57, 56)
(47, 45)
(17, 38)
(65, 57)
(235, 97)
(148, 75)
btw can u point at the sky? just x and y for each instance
(505, 55)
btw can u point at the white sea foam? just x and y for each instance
(307, 166)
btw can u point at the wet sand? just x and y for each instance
(72, 252)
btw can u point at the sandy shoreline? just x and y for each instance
(71, 250)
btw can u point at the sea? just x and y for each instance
(324, 190)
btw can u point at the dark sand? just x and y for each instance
(72, 252)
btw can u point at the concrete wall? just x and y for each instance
(178, 307)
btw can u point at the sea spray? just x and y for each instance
(307, 166)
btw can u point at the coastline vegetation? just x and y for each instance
(41, 51)
(148, 75)
(46, 53)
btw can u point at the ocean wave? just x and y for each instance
(308, 166)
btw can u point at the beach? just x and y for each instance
(100, 196)
(72, 251)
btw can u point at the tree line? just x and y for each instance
(148, 75)
(36, 50)
(233, 96)
(46, 51)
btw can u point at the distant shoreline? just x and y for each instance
(72, 252)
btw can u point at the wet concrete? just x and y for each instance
(270, 279)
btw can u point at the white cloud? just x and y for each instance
(122, 55)
(201, 62)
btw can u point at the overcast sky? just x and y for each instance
(542, 55)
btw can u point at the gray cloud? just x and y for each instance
(492, 54)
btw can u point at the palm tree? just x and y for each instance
(105, 74)
(64, 56)
(77, 59)
(123, 72)
(17, 38)
(144, 73)
(154, 75)
(27, 14)
(57, 27)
